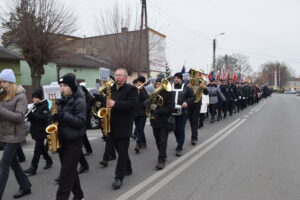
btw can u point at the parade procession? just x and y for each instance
(61, 127)
(149, 100)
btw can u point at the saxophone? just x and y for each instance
(52, 130)
(105, 113)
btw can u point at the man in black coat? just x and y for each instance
(122, 103)
(183, 97)
(39, 118)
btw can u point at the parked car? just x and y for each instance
(290, 91)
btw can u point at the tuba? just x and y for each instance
(195, 81)
(105, 113)
(52, 130)
(155, 101)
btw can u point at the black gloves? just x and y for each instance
(57, 117)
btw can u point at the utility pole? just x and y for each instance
(214, 54)
(143, 15)
(214, 51)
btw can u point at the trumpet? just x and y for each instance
(144, 84)
(31, 109)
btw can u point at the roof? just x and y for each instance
(7, 54)
(80, 60)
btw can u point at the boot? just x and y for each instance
(160, 165)
(137, 148)
(30, 171)
(212, 119)
(219, 117)
(48, 164)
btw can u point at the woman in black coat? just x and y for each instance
(71, 118)
(39, 118)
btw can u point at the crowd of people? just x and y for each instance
(168, 108)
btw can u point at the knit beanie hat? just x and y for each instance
(69, 80)
(8, 75)
(178, 75)
(38, 94)
(141, 79)
(158, 80)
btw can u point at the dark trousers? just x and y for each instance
(69, 179)
(194, 119)
(123, 163)
(39, 149)
(9, 159)
(87, 144)
(82, 160)
(109, 152)
(202, 117)
(20, 154)
(179, 132)
(140, 122)
(161, 139)
(212, 110)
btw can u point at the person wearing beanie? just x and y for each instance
(179, 75)
(160, 125)
(8, 75)
(69, 80)
(71, 118)
(39, 118)
(184, 97)
(215, 99)
(140, 116)
(13, 105)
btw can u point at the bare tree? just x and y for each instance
(39, 29)
(235, 62)
(267, 74)
(120, 41)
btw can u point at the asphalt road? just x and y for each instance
(252, 155)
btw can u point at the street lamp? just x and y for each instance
(214, 50)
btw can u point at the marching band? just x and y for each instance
(168, 104)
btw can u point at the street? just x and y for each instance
(252, 155)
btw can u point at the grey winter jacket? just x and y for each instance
(214, 92)
(12, 124)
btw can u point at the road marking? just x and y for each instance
(178, 171)
(260, 106)
(175, 163)
(245, 116)
(250, 113)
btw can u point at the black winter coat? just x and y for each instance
(73, 122)
(39, 120)
(122, 113)
(140, 108)
(165, 111)
(187, 95)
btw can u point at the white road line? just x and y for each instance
(245, 116)
(169, 167)
(250, 113)
(260, 107)
(175, 173)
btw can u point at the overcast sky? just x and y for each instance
(263, 30)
